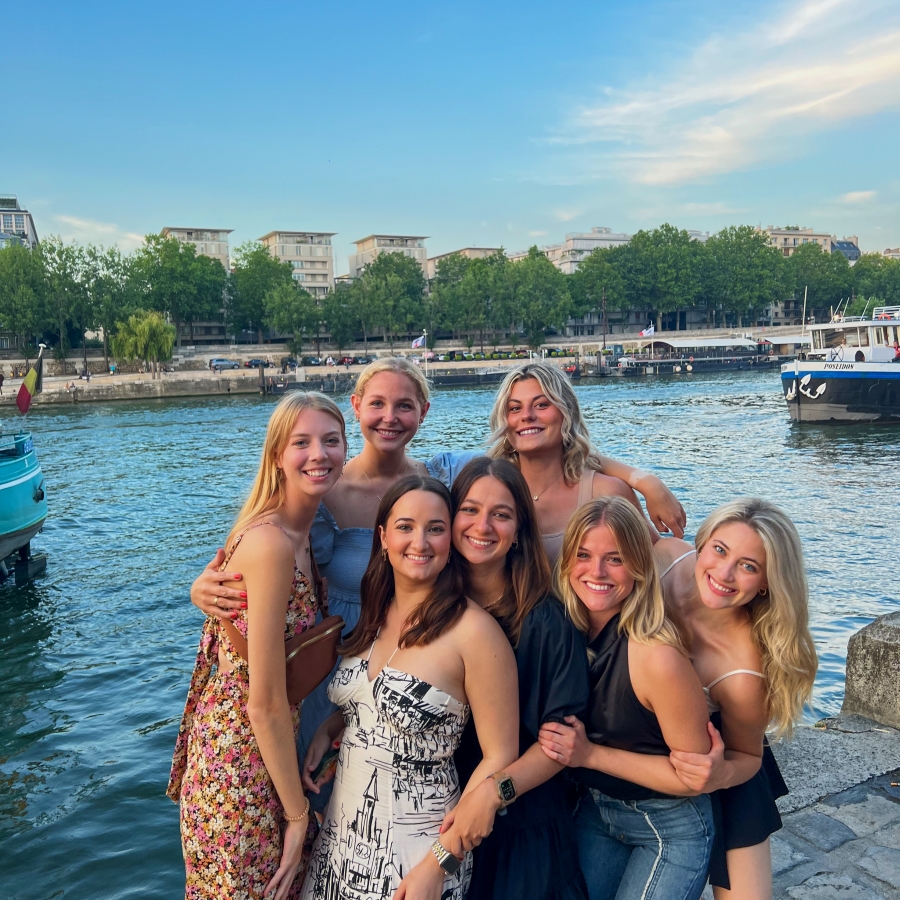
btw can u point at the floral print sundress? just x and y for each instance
(232, 821)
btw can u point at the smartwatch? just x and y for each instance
(506, 788)
(446, 860)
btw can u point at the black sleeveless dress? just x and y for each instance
(532, 850)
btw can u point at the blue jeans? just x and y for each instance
(644, 849)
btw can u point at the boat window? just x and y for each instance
(879, 337)
(818, 340)
(833, 337)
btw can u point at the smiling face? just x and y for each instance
(533, 423)
(731, 567)
(389, 411)
(417, 537)
(599, 576)
(313, 459)
(485, 524)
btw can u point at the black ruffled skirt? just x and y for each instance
(532, 850)
(745, 815)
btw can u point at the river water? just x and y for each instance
(95, 656)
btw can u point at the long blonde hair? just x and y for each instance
(399, 365)
(578, 450)
(267, 492)
(644, 618)
(779, 619)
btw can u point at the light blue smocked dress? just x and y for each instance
(342, 555)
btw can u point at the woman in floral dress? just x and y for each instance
(244, 815)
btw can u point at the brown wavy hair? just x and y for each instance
(527, 568)
(437, 613)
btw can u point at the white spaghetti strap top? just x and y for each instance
(672, 566)
(712, 684)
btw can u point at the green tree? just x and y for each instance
(827, 277)
(539, 297)
(445, 305)
(394, 286)
(256, 274)
(109, 281)
(21, 289)
(597, 284)
(339, 317)
(145, 336)
(65, 293)
(745, 273)
(292, 310)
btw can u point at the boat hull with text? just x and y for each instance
(836, 391)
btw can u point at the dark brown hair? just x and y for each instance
(439, 612)
(527, 568)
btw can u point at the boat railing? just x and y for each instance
(14, 445)
(886, 312)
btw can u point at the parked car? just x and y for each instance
(312, 361)
(218, 363)
(256, 362)
(345, 361)
(288, 362)
(363, 360)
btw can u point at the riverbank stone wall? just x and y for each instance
(873, 672)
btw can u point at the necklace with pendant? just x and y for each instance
(537, 497)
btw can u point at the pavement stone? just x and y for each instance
(883, 863)
(865, 816)
(830, 886)
(819, 829)
(888, 837)
(784, 856)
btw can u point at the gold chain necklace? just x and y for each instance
(537, 497)
(369, 480)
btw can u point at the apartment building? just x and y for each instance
(468, 252)
(368, 248)
(208, 241)
(577, 245)
(891, 254)
(16, 224)
(309, 254)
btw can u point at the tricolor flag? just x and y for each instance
(419, 341)
(31, 385)
(648, 330)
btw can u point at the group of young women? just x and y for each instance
(533, 700)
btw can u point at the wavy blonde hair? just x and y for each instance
(267, 492)
(578, 450)
(644, 618)
(399, 365)
(779, 620)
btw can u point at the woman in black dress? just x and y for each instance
(527, 848)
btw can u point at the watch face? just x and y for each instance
(507, 790)
(451, 864)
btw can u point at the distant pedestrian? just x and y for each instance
(1, 382)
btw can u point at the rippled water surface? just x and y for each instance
(95, 656)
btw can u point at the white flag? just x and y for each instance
(648, 330)
(419, 341)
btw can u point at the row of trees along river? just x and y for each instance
(60, 292)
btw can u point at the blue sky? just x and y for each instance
(476, 124)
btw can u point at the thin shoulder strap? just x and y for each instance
(230, 552)
(712, 684)
(586, 486)
(672, 565)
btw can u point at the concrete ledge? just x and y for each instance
(873, 671)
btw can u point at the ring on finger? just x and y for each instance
(218, 602)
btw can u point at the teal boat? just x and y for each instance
(23, 501)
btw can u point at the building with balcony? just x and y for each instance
(368, 248)
(567, 255)
(16, 224)
(468, 252)
(211, 242)
(891, 254)
(309, 254)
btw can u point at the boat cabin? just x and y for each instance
(857, 338)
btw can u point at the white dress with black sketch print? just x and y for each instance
(394, 783)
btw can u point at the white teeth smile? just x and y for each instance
(596, 586)
(385, 433)
(317, 473)
(415, 558)
(720, 587)
(527, 431)
(478, 543)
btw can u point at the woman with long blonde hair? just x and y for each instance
(536, 423)
(743, 599)
(244, 815)
(642, 834)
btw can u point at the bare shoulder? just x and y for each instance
(478, 629)
(608, 486)
(659, 662)
(261, 546)
(666, 550)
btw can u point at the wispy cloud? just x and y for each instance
(566, 215)
(87, 231)
(742, 99)
(857, 196)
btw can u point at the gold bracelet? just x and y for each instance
(302, 815)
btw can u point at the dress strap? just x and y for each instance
(672, 565)
(586, 487)
(237, 540)
(712, 684)
(392, 656)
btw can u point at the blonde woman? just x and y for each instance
(537, 424)
(244, 815)
(742, 596)
(641, 835)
